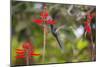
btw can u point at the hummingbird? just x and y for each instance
(56, 35)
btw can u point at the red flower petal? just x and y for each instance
(27, 45)
(38, 21)
(90, 17)
(19, 49)
(21, 56)
(51, 22)
(87, 27)
(44, 15)
(35, 54)
(20, 52)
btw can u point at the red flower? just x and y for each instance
(87, 27)
(27, 46)
(44, 16)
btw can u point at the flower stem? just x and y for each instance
(44, 43)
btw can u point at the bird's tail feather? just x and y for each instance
(61, 45)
